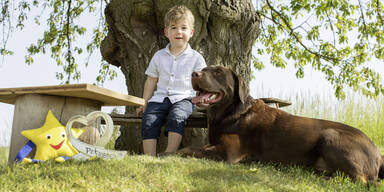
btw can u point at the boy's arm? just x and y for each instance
(149, 88)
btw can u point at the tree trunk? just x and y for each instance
(225, 31)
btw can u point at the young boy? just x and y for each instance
(170, 71)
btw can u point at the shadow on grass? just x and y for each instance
(267, 177)
(237, 178)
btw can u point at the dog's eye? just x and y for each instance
(48, 136)
(63, 134)
(217, 72)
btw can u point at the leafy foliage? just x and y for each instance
(341, 38)
(62, 31)
(5, 20)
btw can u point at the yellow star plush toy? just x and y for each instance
(51, 141)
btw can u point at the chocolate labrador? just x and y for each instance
(242, 127)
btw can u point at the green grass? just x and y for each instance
(4, 155)
(143, 173)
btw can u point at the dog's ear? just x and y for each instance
(240, 87)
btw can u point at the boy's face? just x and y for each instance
(179, 33)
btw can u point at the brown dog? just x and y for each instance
(242, 127)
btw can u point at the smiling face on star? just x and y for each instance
(54, 138)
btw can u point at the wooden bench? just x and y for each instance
(196, 120)
(65, 101)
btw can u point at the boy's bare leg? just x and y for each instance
(149, 146)
(174, 140)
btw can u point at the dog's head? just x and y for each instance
(218, 86)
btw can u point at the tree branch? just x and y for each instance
(378, 13)
(291, 32)
(364, 22)
(69, 55)
(304, 22)
(333, 32)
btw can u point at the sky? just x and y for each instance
(269, 82)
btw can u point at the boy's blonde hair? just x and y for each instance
(178, 13)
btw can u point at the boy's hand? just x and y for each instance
(140, 111)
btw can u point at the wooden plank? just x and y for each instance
(137, 123)
(196, 120)
(87, 91)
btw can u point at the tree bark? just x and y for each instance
(225, 31)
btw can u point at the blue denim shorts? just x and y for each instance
(174, 117)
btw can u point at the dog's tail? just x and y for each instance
(381, 169)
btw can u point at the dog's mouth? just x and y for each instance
(205, 99)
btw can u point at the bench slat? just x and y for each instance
(196, 120)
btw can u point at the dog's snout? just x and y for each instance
(196, 74)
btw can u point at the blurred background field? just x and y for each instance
(366, 114)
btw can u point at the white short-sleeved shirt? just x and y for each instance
(174, 74)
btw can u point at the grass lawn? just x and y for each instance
(4, 155)
(144, 173)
